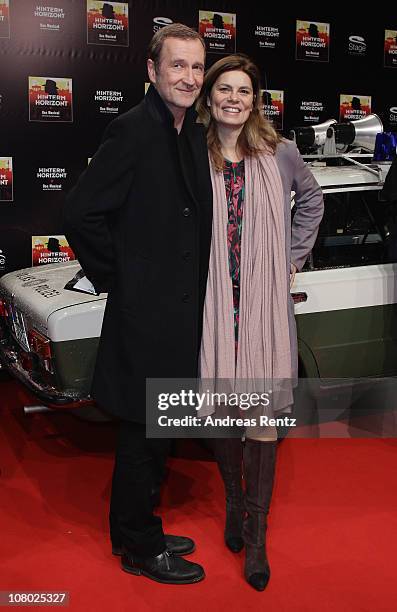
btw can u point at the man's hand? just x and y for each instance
(292, 275)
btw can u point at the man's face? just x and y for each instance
(180, 73)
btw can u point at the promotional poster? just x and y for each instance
(50, 249)
(312, 112)
(107, 23)
(218, 31)
(53, 18)
(353, 107)
(50, 99)
(109, 102)
(51, 179)
(4, 18)
(273, 107)
(312, 41)
(267, 36)
(390, 60)
(6, 180)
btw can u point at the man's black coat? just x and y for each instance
(139, 220)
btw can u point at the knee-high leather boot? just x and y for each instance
(259, 460)
(229, 455)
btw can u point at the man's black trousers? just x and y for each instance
(139, 465)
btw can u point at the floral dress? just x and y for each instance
(233, 174)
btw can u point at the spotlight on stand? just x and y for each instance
(311, 136)
(361, 133)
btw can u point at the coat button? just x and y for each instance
(186, 255)
(185, 297)
(186, 212)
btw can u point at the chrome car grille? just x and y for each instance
(17, 326)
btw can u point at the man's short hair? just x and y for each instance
(174, 30)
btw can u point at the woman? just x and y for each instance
(249, 328)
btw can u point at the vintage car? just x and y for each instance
(345, 300)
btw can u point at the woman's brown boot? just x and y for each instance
(259, 460)
(229, 455)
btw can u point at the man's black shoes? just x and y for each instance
(164, 568)
(177, 545)
(169, 567)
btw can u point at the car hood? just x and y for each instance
(39, 292)
(348, 176)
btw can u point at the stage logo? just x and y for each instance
(160, 22)
(311, 111)
(108, 101)
(312, 41)
(49, 18)
(357, 45)
(393, 117)
(107, 23)
(272, 101)
(4, 18)
(218, 31)
(267, 37)
(390, 54)
(51, 179)
(353, 107)
(50, 99)
(50, 249)
(6, 180)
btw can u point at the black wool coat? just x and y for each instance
(139, 220)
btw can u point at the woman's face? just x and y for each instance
(231, 99)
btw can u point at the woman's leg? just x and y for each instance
(259, 459)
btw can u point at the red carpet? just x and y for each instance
(332, 535)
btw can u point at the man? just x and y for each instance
(139, 220)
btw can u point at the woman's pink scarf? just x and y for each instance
(264, 352)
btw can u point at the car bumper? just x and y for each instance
(14, 360)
